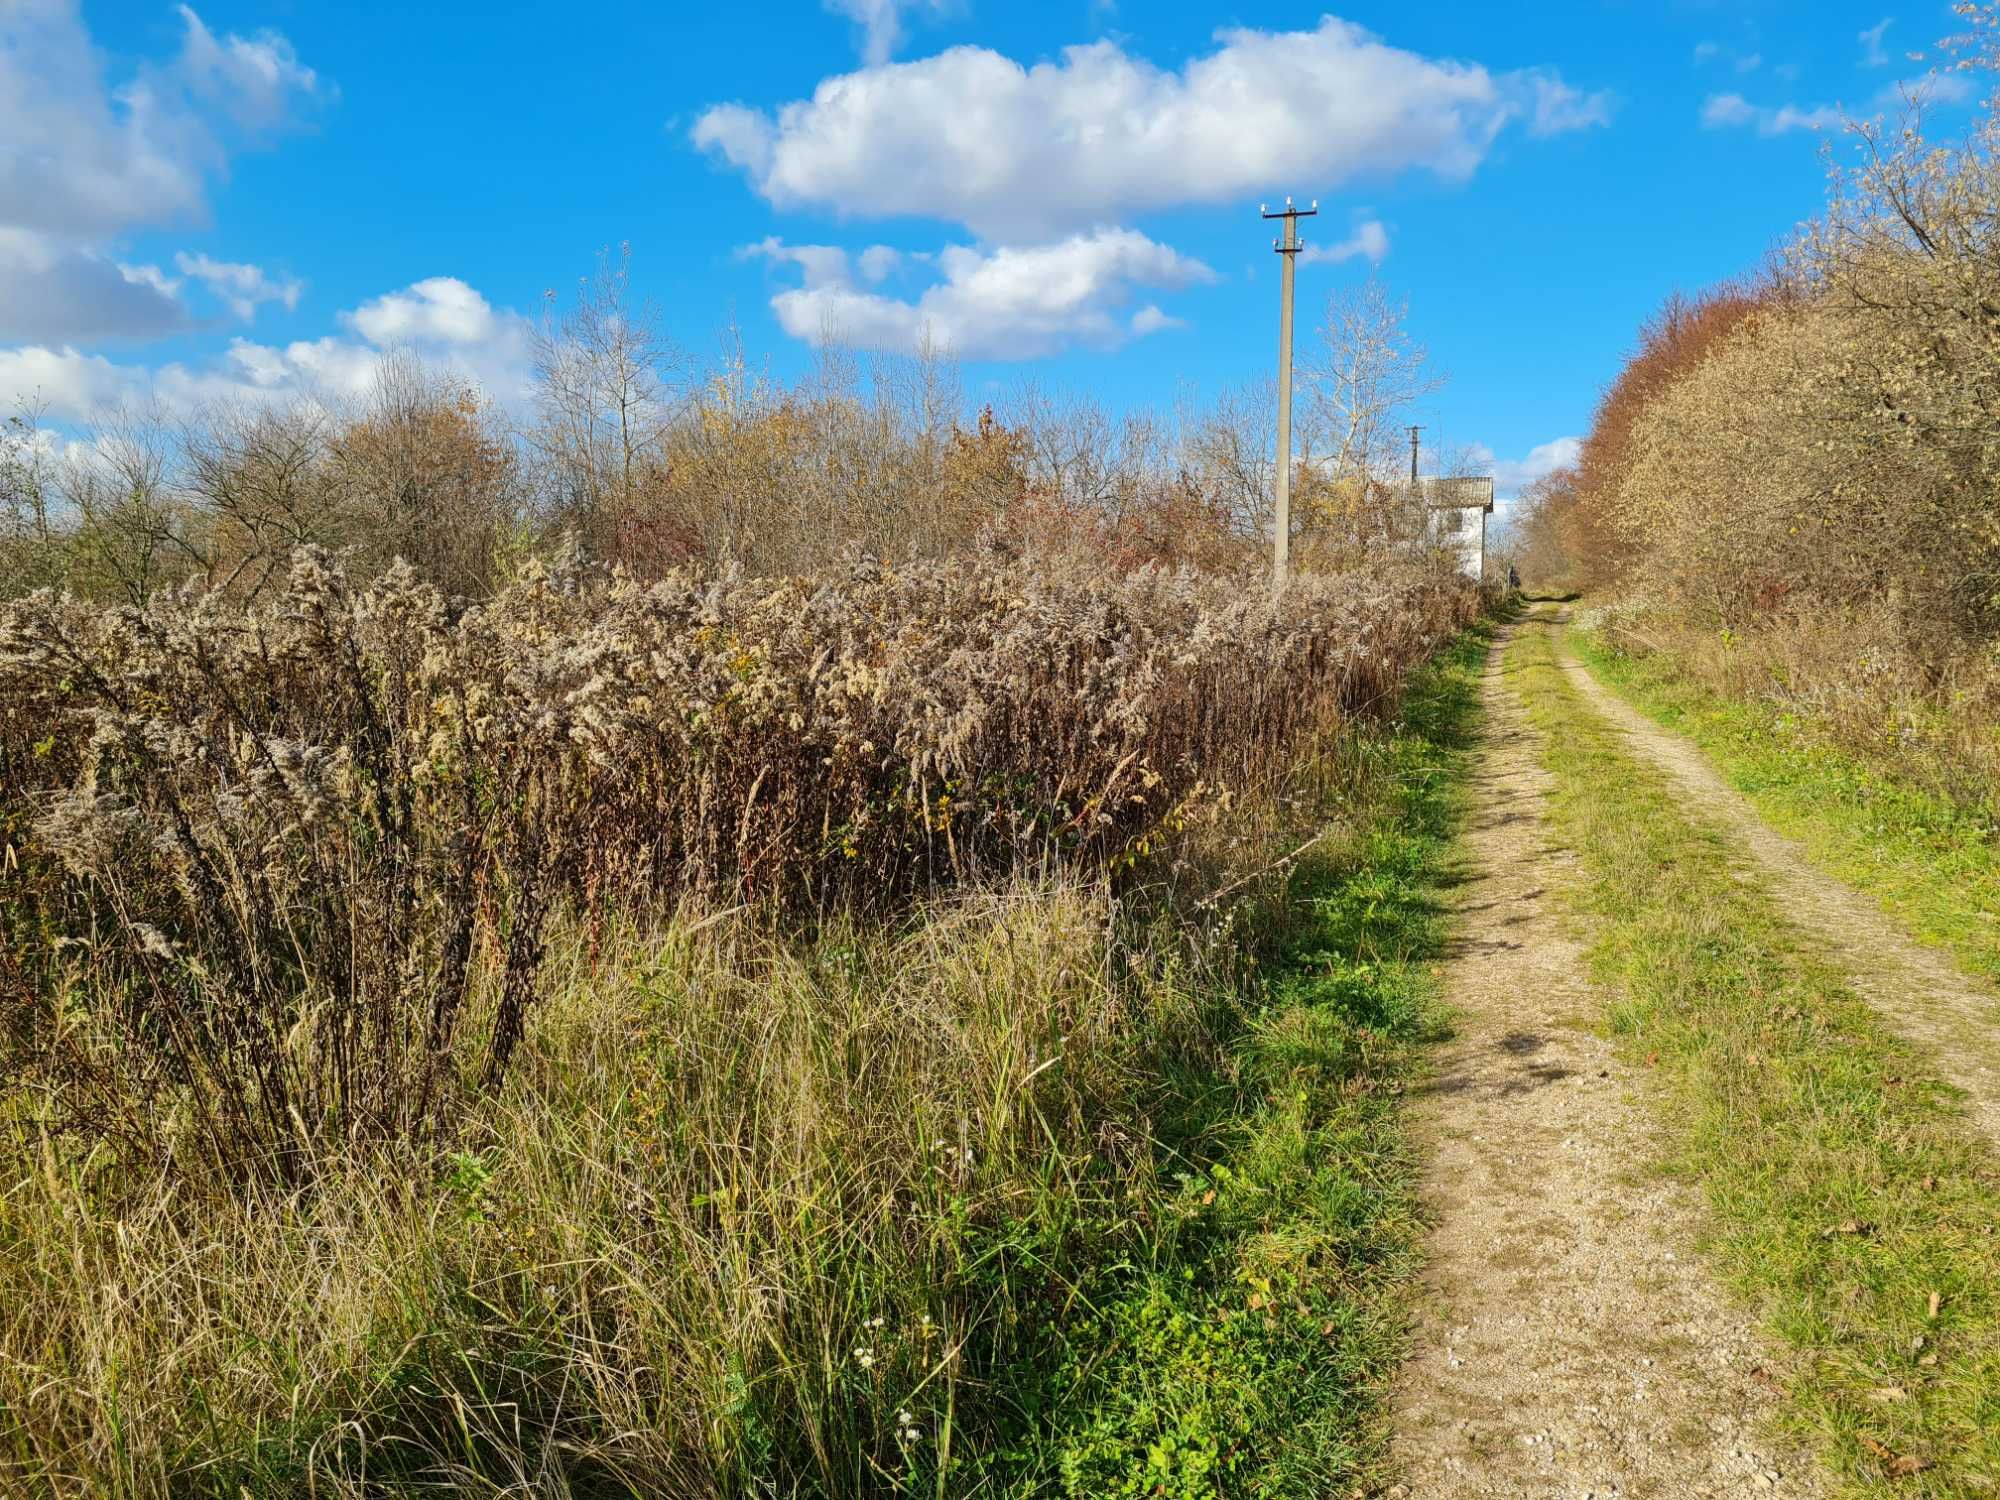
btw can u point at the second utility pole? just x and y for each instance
(1288, 247)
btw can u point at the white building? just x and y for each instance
(1457, 510)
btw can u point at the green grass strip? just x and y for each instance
(1851, 1201)
(1933, 862)
(1250, 1355)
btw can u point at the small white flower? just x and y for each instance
(864, 1357)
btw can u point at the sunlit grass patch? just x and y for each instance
(1932, 860)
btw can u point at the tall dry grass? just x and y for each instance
(743, 1203)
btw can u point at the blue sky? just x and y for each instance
(255, 197)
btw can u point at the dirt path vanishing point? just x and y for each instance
(1916, 990)
(1571, 1345)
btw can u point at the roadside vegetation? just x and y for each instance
(1785, 498)
(712, 938)
(1851, 1202)
(1084, 1179)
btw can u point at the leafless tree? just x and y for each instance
(608, 384)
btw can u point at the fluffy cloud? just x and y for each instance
(881, 22)
(1512, 475)
(1003, 303)
(1369, 241)
(84, 161)
(257, 81)
(442, 320)
(1020, 154)
(84, 158)
(241, 287)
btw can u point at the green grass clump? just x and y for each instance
(1851, 1200)
(1932, 861)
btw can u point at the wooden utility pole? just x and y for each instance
(1288, 247)
(1413, 457)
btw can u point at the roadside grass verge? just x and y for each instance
(1034, 1193)
(1850, 1200)
(1932, 861)
(1251, 1350)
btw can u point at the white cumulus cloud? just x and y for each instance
(445, 322)
(1023, 154)
(1512, 475)
(85, 159)
(52, 287)
(999, 303)
(1369, 241)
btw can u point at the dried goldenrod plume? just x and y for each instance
(298, 831)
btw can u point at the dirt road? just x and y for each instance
(1572, 1345)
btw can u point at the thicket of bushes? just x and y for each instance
(636, 453)
(1792, 484)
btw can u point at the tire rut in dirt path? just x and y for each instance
(1916, 990)
(1569, 1344)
